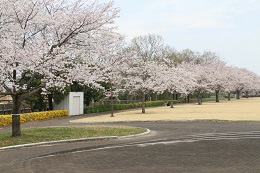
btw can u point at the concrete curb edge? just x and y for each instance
(74, 140)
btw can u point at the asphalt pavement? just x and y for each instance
(173, 145)
(180, 146)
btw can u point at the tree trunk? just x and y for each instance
(229, 96)
(172, 100)
(41, 106)
(199, 98)
(247, 94)
(50, 102)
(112, 102)
(143, 105)
(238, 94)
(188, 98)
(166, 95)
(217, 95)
(16, 124)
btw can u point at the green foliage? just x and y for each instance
(154, 103)
(204, 95)
(232, 96)
(105, 108)
(58, 96)
(174, 101)
(36, 102)
(91, 94)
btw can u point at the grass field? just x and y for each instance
(35, 135)
(234, 110)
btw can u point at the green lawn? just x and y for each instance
(35, 135)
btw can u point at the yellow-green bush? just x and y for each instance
(7, 119)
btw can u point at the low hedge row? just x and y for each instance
(7, 119)
(174, 101)
(105, 108)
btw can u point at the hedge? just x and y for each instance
(105, 108)
(7, 119)
(174, 101)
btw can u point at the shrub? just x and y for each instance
(105, 108)
(154, 103)
(7, 119)
(174, 102)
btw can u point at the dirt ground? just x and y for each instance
(234, 110)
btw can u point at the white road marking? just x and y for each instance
(186, 139)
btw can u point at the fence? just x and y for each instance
(7, 109)
(108, 102)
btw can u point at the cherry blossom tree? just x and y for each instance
(205, 67)
(143, 72)
(239, 80)
(143, 76)
(250, 80)
(178, 79)
(54, 39)
(255, 83)
(229, 86)
(112, 69)
(202, 79)
(219, 76)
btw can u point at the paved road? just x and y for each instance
(191, 146)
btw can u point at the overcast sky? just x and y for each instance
(231, 28)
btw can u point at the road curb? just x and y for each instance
(130, 121)
(136, 135)
(177, 120)
(74, 140)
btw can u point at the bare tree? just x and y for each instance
(148, 47)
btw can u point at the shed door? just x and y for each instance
(76, 105)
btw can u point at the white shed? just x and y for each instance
(73, 102)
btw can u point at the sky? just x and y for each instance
(231, 28)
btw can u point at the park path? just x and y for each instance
(234, 110)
